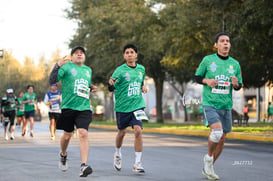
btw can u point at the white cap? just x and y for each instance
(10, 91)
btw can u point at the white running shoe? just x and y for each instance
(6, 137)
(63, 165)
(208, 169)
(117, 161)
(138, 168)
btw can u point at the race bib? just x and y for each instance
(222, 87)
(83, 91)
(55, 107)
(140, 115)
(21, 109)
(32, 102)
(6, 119)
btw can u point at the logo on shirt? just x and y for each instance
(231, 70)
(127, 77)
(213, 67)
(88, 74)
(140, 75)
(74, 72)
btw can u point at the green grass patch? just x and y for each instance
(251, 128)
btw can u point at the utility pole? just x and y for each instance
(258, 111)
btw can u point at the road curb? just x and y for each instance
(233, 135)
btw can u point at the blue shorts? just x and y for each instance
(213, 115)
(29, 114)
(125, 119)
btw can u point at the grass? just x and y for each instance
(251, 128)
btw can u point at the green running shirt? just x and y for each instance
(11, 103)
(213, 67)
(76, 81)
(29, 106)
(128, 95)
(20, 110)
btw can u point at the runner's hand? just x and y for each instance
(112, 81)
(210, 82)
(234, 81)
(94, 88)
(63, 61)
(144, 89)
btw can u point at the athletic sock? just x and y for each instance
(138, 157)
(118, 151)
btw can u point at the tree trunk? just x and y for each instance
(159, 92)
(183, 101)
(185, 112)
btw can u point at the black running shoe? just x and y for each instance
(63, 165)
(85, 170)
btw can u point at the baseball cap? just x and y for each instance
(54, 84)
(10, 91)
(77, 48)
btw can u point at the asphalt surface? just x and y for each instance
(165, 158)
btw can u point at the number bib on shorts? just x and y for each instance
(140, 115)
(6, 119)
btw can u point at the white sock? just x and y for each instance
(209, 157)
(138, 157)
(118, 151)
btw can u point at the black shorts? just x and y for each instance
(20, 116)
(29, 114)
(54, 115)
(125, 119)
(11, 116)
(70, 118)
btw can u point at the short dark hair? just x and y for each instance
(129, 46)
(216, 38)
(30, 86)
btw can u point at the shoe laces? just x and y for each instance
(139, 165)
(118, 159)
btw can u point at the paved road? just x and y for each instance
(165, 158)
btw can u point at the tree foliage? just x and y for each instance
(18, 76)
(174, 36)
(105, 26)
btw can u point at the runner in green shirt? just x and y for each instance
(20, 110)
(127, 84)
(75, 106)
(8, 106)
(220, 74)
(29, 100)
(270, 112)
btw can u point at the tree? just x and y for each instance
(252, 41)
(106, 26)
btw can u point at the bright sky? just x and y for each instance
(34, 28)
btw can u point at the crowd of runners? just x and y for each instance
(70, 108)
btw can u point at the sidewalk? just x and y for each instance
(266, 137)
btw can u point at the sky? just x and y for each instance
(35, 28)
